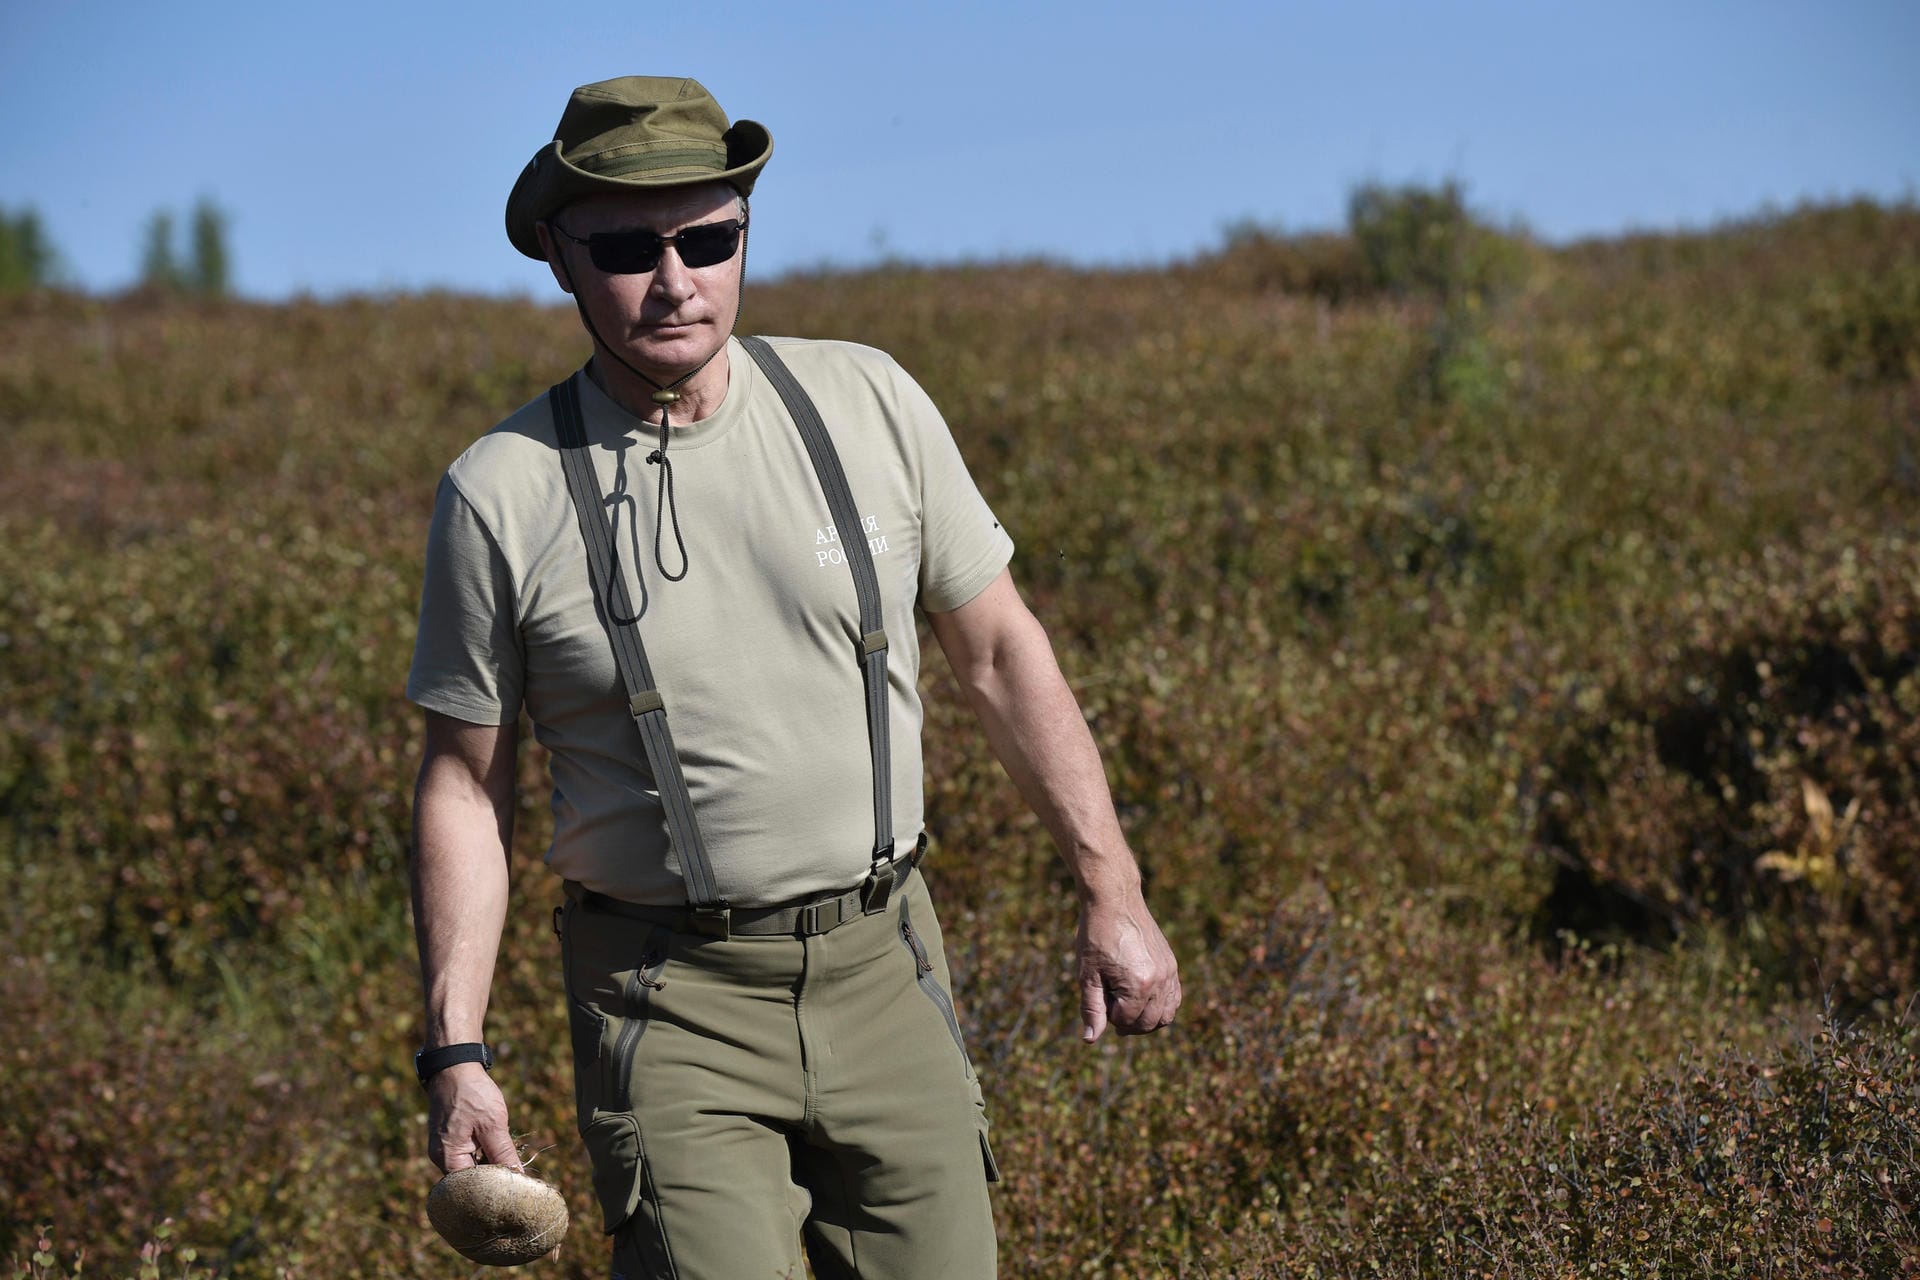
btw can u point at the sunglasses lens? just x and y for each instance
(705, 245)
(625, 253)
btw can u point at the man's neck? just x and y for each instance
(700, 396)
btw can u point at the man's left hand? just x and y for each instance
(1128, 976)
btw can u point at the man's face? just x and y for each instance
(665, 321)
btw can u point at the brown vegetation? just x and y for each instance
(1510, 686)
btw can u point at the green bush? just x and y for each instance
(1409, 242)
(1421, 241)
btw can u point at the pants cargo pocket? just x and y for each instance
(640, 1250)
(613, 1144)
(980, 1114)
(986, 1158)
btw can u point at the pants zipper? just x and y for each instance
(638, 999)
(923, 974)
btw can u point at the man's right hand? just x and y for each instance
(467, 1120)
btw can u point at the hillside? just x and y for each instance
(1509, 677)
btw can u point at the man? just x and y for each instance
(725, 672)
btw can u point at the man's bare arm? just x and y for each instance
(462, 828)
(1005, 663)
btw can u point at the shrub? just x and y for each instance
(1761, 765)
(1408, 242)
(1323, 265)
(1868, 326)
(1805, 1162)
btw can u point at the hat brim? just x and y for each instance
(550, 181)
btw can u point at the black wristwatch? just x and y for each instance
(430, 1062)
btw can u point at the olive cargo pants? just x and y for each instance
(738, 1095)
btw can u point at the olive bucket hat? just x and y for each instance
(635, 133)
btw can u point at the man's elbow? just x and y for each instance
(1010, 656)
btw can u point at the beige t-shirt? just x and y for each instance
(753, 651)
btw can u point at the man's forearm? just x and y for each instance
(1035, 728)
(462, 829)
(1127, 972)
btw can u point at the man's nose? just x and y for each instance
(672, 279)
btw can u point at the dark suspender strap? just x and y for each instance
(616, 609)
(872, 645)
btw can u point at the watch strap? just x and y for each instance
(430, 1062)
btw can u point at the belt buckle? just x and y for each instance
(807, 925)
(711, 922)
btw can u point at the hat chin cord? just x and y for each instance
(665, 396)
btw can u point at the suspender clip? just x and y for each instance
(879, 886)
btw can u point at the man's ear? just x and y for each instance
(550, 245)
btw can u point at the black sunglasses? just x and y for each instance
(626, 253)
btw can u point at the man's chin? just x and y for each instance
(666, 354)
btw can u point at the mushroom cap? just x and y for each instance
(497, 1216)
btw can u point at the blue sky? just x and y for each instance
(361, 146)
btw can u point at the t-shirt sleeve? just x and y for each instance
(962, 545)
(467, 660)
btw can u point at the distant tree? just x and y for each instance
(27, 257)
(159, 264)
(204, 268)
(207, 273)
(1418, 240)
(1413, 238)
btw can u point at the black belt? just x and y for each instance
(804, 919)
